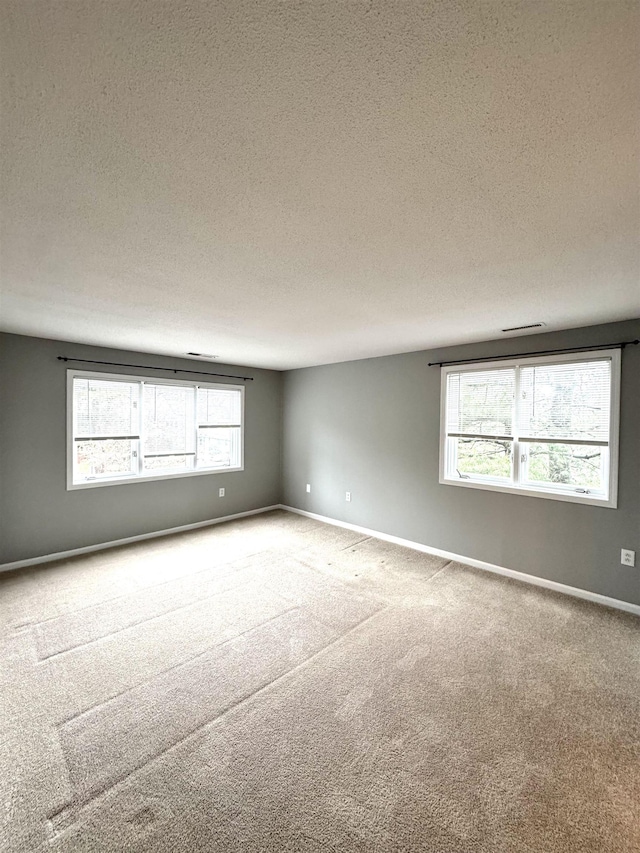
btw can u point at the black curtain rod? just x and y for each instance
(151, 367)
(620, 344)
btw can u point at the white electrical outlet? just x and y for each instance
(308, 487)
(348, 496)
(627, 558)
(221, 493)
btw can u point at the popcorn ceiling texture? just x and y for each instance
(290, 183)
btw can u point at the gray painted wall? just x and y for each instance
(39, 516)
(372, 427)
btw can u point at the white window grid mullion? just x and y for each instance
(586, 442)
(90, 416)
(141, 422)
(452, 447)
(189, 431)
(485, 436)
(106, 437)
(196, 435)
(605, 465)
(517, 462)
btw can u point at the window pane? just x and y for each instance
(168, 464)
(219, 406)
(108, 458)
(481, 401)
(219, 447)
(168, 419)
(569, 400)
(474, 457)
(105, 408)
(574, 466)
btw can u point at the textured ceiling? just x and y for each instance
(291, 183)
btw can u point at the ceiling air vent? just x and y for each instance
(522, 328)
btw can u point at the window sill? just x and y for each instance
(121, 481)
(569, 497)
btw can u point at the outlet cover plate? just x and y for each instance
(627, 557)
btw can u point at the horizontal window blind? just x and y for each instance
(104, 409)
(168, 419)
(569, 401)
(219, 407)
(481, 402)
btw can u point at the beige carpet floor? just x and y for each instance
(276, 684)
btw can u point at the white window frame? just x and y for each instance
(554, 493)
(142, 380)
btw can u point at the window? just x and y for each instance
(127, 429)
(539, 426)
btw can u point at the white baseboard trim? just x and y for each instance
(75, 552)
(576, 592)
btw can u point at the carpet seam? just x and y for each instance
(353, 544)
(177, 665)
(446, 566)
(81, 806)
(142, 589)
(319, 619)
(105, 637)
